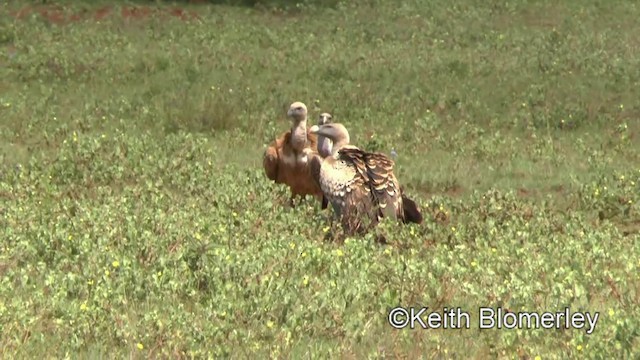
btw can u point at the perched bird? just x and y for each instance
(324, 144)
(285, 160)
(360, 185)
(324, 149)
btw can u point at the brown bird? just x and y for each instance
(285, 160)
(360, 185)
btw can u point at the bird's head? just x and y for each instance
(325, 118)
(297, 111)
(335, 132)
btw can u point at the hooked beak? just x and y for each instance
(324, 119)
(290, 112)
(314, 129)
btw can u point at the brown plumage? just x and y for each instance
(360, 185)
(285, 160)
(411, 212)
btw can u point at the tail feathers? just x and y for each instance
(411, 212)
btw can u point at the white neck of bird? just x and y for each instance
(338, 145)
(299, 134)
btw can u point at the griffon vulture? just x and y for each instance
(324, 144)
(324, 150)
(285, 160)
(360, 185)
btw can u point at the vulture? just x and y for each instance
(324, 144)
(360, 185)
(324, 150)
(285, 160)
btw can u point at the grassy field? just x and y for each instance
(136, 219)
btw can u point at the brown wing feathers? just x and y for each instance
(376, 171)
(373, 194)
(270, 163)
(283, 163)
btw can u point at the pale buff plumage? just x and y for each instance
(360, 185)
(324, 144)
(285, 160)
(324, 149)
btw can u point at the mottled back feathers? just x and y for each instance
(360, 185)
(376, 171)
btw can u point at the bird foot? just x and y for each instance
(340, 237)
(381, 239)
(292, 201)
(333, 234)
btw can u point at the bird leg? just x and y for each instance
(296, 199)
(325, 203)
(335, 216)
(334, 224)
(292, 200)
(333, 234)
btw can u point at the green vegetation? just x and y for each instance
(136, 219)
